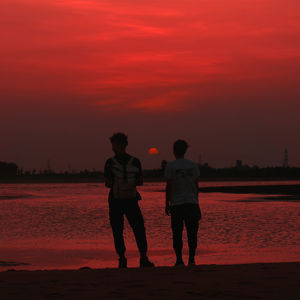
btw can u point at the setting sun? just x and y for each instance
(153, 151)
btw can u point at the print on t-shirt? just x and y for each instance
(183, 174)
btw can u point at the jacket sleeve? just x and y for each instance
(139, 180)
(108, 175)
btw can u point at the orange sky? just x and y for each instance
(222, 74)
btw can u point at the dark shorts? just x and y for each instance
(189, 215)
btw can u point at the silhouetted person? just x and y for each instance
(123, 173)
(182, 201)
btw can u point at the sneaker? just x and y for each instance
(146, 263)
(122, 263)
(179, 263)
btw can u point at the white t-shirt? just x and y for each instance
(183, 174)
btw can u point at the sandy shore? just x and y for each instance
(252, 281)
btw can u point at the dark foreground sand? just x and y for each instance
(252, 281)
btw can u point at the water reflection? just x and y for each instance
(66, 226)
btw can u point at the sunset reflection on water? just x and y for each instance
(59, 226)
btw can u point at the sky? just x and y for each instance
(223, 75)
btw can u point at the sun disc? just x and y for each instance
(153, 151)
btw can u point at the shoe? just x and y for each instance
(146, 263)
(122, 263)
(179, 263)
(191, 263)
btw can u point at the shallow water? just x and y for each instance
(47, 226)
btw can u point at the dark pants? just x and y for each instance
(188, 214)
(131, 209)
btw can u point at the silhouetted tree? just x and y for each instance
(8, 169)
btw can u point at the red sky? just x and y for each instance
(224, 75)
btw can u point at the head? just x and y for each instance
(119, 142)
(179, 148)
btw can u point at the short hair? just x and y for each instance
(180, 147)
(120, 138)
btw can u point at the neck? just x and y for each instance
(121, 153)
(179, 156)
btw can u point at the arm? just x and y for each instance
(168, 197)
(108, 174)
(197, 175)
(168, 176)
(197, 185)
(139, 179)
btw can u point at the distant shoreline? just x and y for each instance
(101, 180)
(280, 191)
(288, 192)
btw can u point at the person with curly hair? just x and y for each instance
(123, 173)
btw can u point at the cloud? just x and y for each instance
(137, 53)
(81, 69)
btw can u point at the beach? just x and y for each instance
(248, 246)
(249, 281)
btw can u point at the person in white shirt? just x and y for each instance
(182, 201)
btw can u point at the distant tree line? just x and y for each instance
(8, 169)
(239, 171)
(50, 174)
(244, 172)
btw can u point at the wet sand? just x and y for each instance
(250, 281)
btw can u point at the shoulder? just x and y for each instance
(169, 170)
(171, 164)
(109, 161)
(191, 163)
(183, 164)
(195, 167)
(135, 161)
(108, 167)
